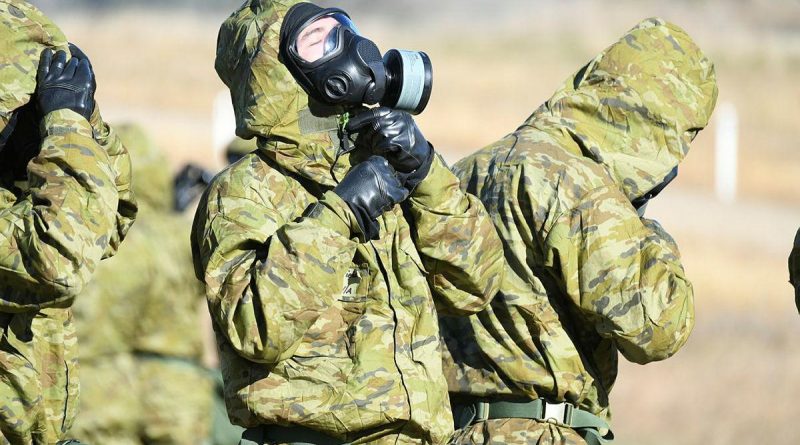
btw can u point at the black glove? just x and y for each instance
(63, 84)
(394, 135)
(369, 189)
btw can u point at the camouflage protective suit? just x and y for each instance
(139, 325)
(317, 329)
(794, 269)
(62, 209)
(586, 277)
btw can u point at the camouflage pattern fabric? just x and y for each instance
(176, 402)
(516, 431)
(586, 278)
(794, 269)
(315, 327)
(110, 408)
(66, 209)
(142, 305)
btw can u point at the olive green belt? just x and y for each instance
(292, 435)
(594, 430)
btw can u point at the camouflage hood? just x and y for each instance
(24, 33)
(152, 180)
(636, 107)
(268, 103)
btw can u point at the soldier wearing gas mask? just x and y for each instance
(65, 204)
(325, 264)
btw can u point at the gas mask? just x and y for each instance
(20, 140)
(640, 203)
(336, 66)
(10, 121)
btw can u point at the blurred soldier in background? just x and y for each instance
(587, 276)
(794, 269)
(321, 288)
(238, 148)
(65, 204)
(192, 180)
(141, 321)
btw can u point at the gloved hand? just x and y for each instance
(394, 135)
(369, 189)
(63, 84)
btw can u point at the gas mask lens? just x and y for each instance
(322, 37)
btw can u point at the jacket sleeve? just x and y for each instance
(457, 242)
(267, 279)
(53, 236)
(121, 164)
(625, 274)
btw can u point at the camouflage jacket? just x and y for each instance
(794, 269)
(586, 277)
(146, 299)
(62, 209)
(315, 327)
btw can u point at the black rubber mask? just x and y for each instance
(336, 66)
(8, 130)
(641, 202)
(329, 59)
(21, 140)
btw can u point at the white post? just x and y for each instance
(726, 152)
(223, 124)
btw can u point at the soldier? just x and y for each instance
(587, 277)
(320, 286)
(238, 148)
(139, 324)
(794, 269)
(65, 204)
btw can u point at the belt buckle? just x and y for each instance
(481, 412)
(560, 413)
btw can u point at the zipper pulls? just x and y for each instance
(345, 145)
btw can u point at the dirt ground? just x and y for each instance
(736, 380)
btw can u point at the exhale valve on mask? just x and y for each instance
(335, 65)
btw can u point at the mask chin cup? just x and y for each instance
(409, 77)
(641, 202)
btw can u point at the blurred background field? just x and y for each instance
(494, 63)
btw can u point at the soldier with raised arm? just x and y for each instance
(65, 204)
(324, 267)
(588, 277)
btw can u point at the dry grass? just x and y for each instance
(736, 379)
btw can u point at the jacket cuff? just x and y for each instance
(64, 121)
(333, 213)
(440, 190)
